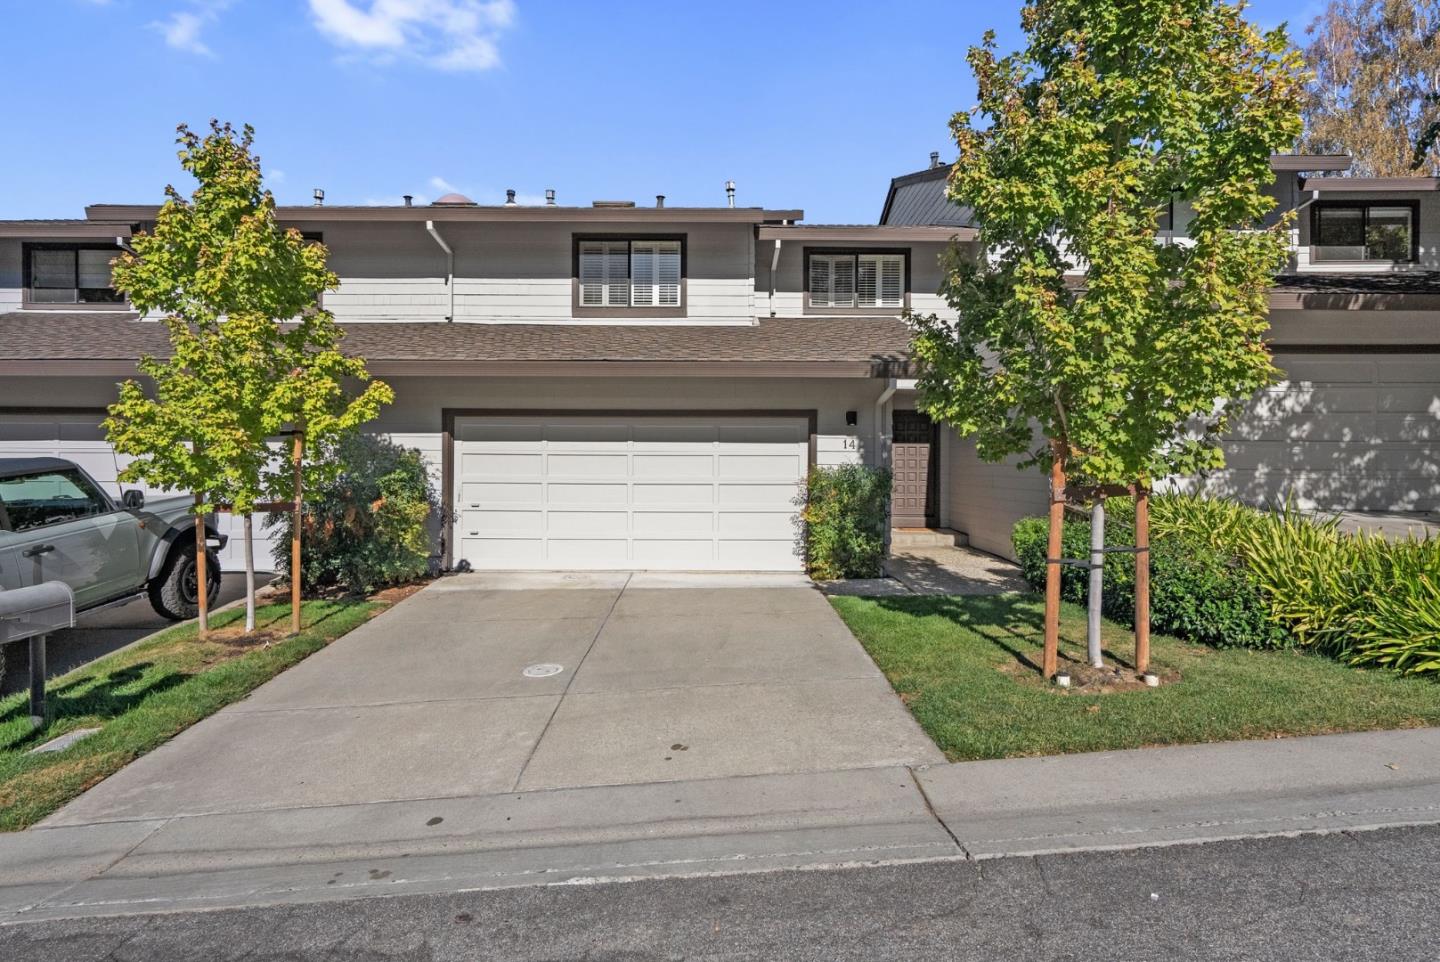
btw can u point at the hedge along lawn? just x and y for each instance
(967, 667)
(145, 695)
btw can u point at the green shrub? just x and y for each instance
(368, 527)
(1196, 591)
(845, 513)
(1226, 573)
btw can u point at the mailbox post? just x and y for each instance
(32, 613)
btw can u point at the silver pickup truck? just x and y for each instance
(57, 524)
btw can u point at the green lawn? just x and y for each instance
(143, 696)
(968, 670)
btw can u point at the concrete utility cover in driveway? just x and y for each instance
(664, 677)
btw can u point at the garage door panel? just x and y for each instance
(487, 435)
(674, 524)
(588, 524)
(502, 552)
(760, 465)
(694, 553)
(505, 524)
(598, 493)
(1358, 432)
(500, 465)
(666, 466)
(776, 494)
(646, 492)
(773, 555)
(588, 552)
(678, 436)
(485, 494)
(596, 436)
(651, 494)
(750, 525)
(587, 465)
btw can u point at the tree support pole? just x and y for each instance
(296, 456)
(200, 559)
(1097, 582)
(1142, 580)
(1050, 662)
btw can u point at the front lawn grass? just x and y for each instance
(967, 667)
(143, 696)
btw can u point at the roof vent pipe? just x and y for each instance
(509, 198)
(319, 195)
(659, 200)
(408, 198)
(549, 196)
(729, 193)
(934, 159)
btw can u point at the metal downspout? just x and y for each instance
(449, 265)
(882, 451)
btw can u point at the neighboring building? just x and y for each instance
(616, 386)
(1355, 327)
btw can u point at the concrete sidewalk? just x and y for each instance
(970, 810)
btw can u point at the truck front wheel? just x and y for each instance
(175, 593)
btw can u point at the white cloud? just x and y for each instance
(454, 35)
(182, 30)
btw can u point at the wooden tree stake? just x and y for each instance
(298, 453)
(1050, 662)
(1142, 579)
(200, 552)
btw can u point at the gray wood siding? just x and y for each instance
(10, 275)
(517, 272)
(984, 500)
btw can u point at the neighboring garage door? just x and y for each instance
(77, 436)
(590, 492)
(1341, 432)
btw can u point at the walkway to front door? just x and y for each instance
(660, 678)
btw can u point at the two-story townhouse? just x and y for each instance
(618, 386)
(609, 386)
(1354, 423)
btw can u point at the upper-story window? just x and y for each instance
(70, 274)
(856, 280)
(629, 275)
(1365, 231)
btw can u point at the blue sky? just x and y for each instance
(812, 105)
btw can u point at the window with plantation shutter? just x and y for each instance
(856, 280)
(642, 273)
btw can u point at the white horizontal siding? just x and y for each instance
(984, 499)
(10, 275)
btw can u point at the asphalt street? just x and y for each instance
(1346, 896)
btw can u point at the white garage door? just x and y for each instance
(1356, 432)
(579, 492)
(78, 437)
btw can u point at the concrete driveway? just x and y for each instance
(662, 678)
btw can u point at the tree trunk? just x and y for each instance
(249, 573)
(203, 600)
(1095, 600)
(1052, 566)
(1142, 579)
(297, 456)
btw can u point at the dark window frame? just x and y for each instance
(855, 252)
(1364, 207)
(578, 309)
(28, 301)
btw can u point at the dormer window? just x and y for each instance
(629, 276)
(70, 274)
(1365, 231)
(856, 280)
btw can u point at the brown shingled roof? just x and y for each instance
(863, 341)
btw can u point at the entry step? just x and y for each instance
(902, 538)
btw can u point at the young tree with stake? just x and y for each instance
(251, 351)
(1073, 321)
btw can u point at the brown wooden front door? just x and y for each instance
(912, 498)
